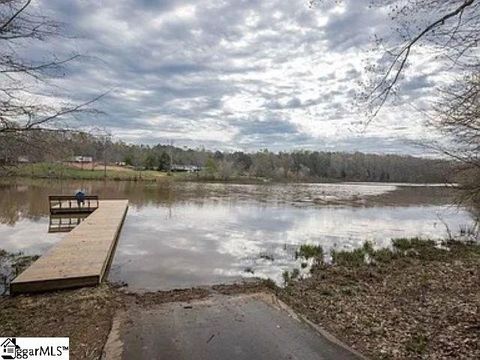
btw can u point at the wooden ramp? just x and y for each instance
(81, 258)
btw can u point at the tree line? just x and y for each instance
(300, 165)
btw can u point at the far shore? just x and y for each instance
(111, 172)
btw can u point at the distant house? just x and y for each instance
(121, 163)
(83, 159)
(185, 168)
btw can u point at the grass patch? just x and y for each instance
(359, 257)
(422, 249)
(429, 249)
(383, 255)
(309, 251)
(469, 230)
(403, 244)
(352, 258)
(65, 171)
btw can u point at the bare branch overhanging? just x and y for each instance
(21, 109)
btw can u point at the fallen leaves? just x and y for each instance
(411, 307)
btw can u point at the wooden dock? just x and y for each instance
(66, 204)
(82, 257)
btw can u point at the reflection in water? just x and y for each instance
(65, 222)
(186, 234)
(28, 198)
(29, 236)
(194, 244)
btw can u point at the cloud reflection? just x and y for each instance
(190, 244)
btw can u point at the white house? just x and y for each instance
(83, 159)
(185, 168)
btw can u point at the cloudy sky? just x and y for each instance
(233, 74)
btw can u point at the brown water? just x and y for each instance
(188, 234)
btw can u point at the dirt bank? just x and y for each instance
(415, 302)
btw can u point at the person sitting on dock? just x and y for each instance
(80, 196)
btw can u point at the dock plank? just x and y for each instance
(81, 258)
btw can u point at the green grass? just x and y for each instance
(383, 255)
(358, 257)
(61, 171)
(423, 249)
(352, 258)
(404, 244)
(405, 251)
(309, 251)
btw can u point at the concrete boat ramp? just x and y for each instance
(238, 327)
(82, 257)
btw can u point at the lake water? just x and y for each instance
(189, 234)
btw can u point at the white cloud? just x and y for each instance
(233, 74)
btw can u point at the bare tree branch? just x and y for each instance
(15, 15)
(29, 110)
(380, 93)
